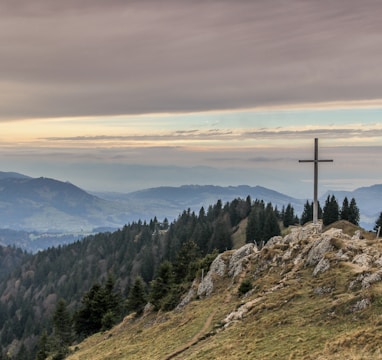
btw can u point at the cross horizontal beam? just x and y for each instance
(304, 161)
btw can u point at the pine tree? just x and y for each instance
(252, 223)
(307, 214)
(255, 224)
(136, 299)
(62, 330)
(42, 347)
(345, 210)
(353, 212)
(289, 217)
(112, 304)
(101, 308)
(271, 224)
(162, 285)
(331, 211)
(221, 237)
(187, 254)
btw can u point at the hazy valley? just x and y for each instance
(39, 212)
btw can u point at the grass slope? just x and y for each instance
(299, 316)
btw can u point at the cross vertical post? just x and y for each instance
(315, 192)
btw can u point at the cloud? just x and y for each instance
(223, 135)
(71, 58)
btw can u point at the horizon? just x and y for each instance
(100, 192)
(126, 96)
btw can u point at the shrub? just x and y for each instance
(245, 286)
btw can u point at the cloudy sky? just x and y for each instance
(120, 95)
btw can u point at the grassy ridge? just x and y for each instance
(297, 317)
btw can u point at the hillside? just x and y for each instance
(44, 204)
(315, 295)
(30, 292)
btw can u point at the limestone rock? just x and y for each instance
(361, 305)
(235, 266)
(371, 279)
(322, 266)
(273, 241)
(319, 248)
(189, 296)
(357, 235)
(217, 269)
(363, 260)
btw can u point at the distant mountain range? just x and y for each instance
(46, 205)
(171, 201)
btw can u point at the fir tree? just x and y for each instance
(62, 330)
(101, 308)
(162, 285)
(345, 210)
(331, 211)
(187, 254)
(353, 212)
(289, 217)
(307, 214)
(136, 300)
(42, 347)
(262, 224)
(271, 224)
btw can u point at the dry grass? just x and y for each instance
(239, 236)
(349, 229)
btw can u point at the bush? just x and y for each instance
(245, 286)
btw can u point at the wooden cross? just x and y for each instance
(315, 161)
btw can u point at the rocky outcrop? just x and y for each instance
(239, 258)
(231, 263)
(303, 248)
(217, 270)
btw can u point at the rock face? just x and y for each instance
(217, 269)
(303, 248)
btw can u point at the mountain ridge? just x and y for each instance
(44, 204)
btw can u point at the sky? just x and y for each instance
(123, 95)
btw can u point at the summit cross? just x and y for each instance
(315, 161)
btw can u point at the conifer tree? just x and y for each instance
(252, 224)
(221, 237)
(331, 211)
(354, 212)
(62, 330)
(289, 217)
(187, 254)
(136, 300)
(162, 285)
(262, 224)
(307, 214)
(271, 224)
(42, 347)
(101, 308)
(345, 210)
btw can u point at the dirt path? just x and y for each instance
(198, 337)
